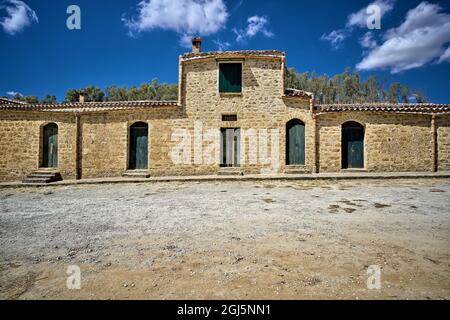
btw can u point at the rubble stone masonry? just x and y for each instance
(95, 144)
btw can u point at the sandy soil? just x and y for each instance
(227, 240)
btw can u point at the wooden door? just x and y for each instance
(50, 146)
(138, 146)
(352, 146)
(295, 144)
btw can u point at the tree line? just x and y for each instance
(348, 87)
(148, 91)
(345, 87)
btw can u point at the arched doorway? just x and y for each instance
(352, 145)
(50, 146)
(138, 153)
(295, 142)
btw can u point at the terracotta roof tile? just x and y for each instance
(9, 101)
(292, 93)
(88, 106)
(386, 107)
(232, 54)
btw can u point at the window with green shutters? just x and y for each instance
(230, 77)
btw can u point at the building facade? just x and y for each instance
(233, 116)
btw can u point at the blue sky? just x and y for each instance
(121, 43)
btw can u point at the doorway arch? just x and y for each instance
(352, 145)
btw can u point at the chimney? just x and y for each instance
(196, 45)
(82, 97)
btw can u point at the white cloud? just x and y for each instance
(238, 5)
(335, 37)
(356, 19)
(445, 56)
(222, 45)
(359, 19)
(186, 17)
(256, 25)
(13, 93)
(18, 16)
(367, 41)
(419, 40)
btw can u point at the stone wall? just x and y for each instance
(21, 143)
(105, 140)
(443, 142)
(184, 140)
(260, 107)
(393, 141)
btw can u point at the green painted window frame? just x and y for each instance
(230, 77)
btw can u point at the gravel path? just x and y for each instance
(231, 240)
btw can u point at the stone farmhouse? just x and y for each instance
(233, 116)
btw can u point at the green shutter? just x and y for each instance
(230, 77)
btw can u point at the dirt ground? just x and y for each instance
(227, 240)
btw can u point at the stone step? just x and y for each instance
(42, 176)
(136, 174)
(231, 171)
(36, 180)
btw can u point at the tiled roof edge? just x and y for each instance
(385, 107)
(218, 54)
(88, 106)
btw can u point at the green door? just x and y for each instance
(352, 145)
(138, 146)
(295, 144)
(50, 146)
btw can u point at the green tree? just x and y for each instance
(420, 97)
(405, 92)
(147, 91)
(114, 93)
(72, 95)
(394, 92)
(92, 93)
(348, 87)
(371, 90)
(49, 100)
(27, 99)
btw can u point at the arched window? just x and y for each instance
(138, 146)
(295, 142)
(352, 145)
(50, 146)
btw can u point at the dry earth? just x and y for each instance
(227, 240)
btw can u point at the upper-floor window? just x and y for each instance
(230, 77)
